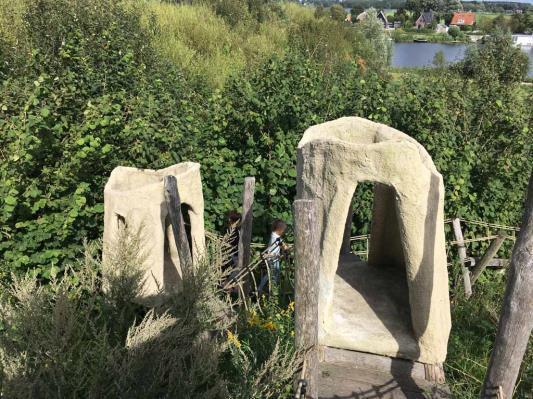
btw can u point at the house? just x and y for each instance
(380, 15)
(463, 19)
(441, 28)
(523, 40)
(425, 19)
(383, 18)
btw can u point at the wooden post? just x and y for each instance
(516, 318)
(172, 199)
(462, 256)
(492, 250)
(245, 236)
(306, 246)
(346, 247)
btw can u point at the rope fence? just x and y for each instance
(366, 237)
(237, 280)
(481, 223)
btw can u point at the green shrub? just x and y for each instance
(89, 99)
(496, 58)
(454, 32)
(73, 338)
(474, 325)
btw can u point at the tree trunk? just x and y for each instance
(516, 318)
(462, 256)
(172, 198)
(306, 246)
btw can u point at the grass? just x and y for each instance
(207, 48)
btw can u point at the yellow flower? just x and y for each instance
(233, 339)
(291, 306)
(253, 318)
(292, 333)
(269, 325)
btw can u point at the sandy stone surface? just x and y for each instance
(136, 197)
(407, 234)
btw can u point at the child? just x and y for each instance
(273, 252)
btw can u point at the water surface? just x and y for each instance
(409, 55)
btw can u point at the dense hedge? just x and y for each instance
(88, 95)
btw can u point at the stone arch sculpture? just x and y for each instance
(397, 303)
(135, 197)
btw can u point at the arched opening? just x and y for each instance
(121, 221)
(371, 278)
(358, 221)
(185, 211)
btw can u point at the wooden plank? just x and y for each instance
(369, 361)
(516, 320)
(245, 237)
(492, 250)
(172, 199)
(495, 263)
(383, 364)
(306, 251)
(462, 256)
(343, 380)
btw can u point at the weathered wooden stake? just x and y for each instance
(172, 199)
(492, 250)
(245, 237)
(346, 247)
(462, 256)
(516, 320)
(306, 245)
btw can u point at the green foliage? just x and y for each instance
(72, 338)
(147, 85)
(211, 51)
(83, 102)
(332, 43)
(439, 60)
(454, 31)
(474, 138)
(497, 59)
(337, 13)
(83, 106)
(417, 6)
(522, 23)
(474, 325)
(375, 47)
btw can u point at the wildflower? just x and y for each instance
(253, 319)
(291, 306)
(292, 333)
(233, 339)
(269, 325)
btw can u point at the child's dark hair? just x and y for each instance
(233, 216)
(278, 224)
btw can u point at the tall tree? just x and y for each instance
(337, 12)
(417, 6)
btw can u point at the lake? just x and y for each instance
(408, 55)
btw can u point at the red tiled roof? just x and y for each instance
(463, 18)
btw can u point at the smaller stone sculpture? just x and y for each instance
(135, 197)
